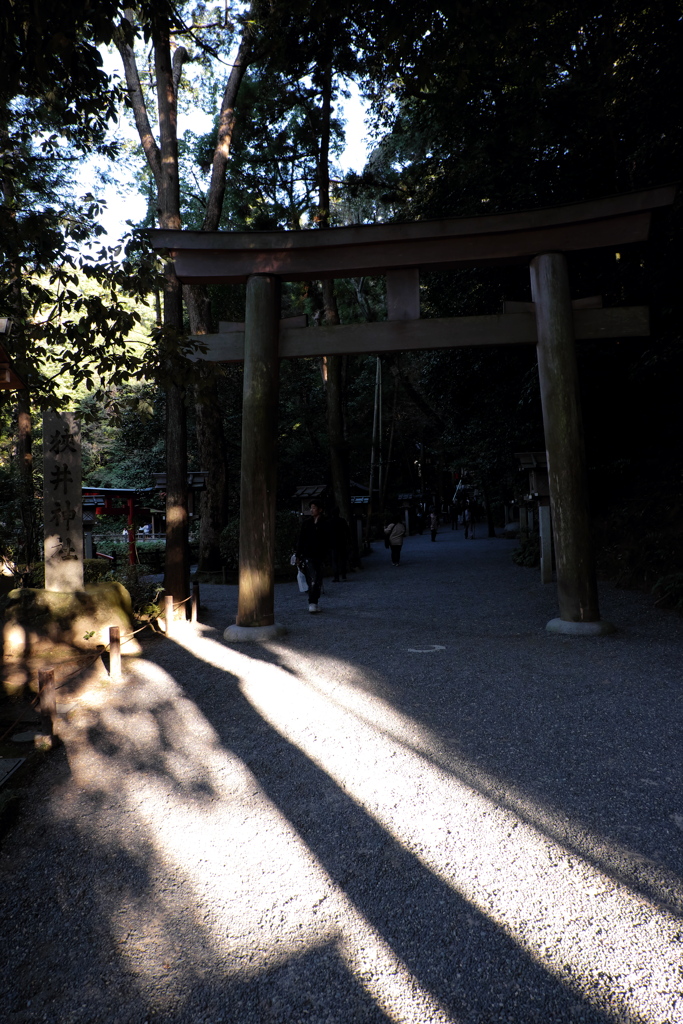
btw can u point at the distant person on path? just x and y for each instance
(468, 519)
(395, 533)
(453, 512)
(311, 549)
(433, 522)
(339, 535)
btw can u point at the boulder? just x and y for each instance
(40, 619)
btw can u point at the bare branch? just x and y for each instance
(226, 126)
(180, 56)
(169, 187)
(137, 100)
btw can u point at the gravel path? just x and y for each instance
(417, 807)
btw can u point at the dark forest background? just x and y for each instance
(475, 108)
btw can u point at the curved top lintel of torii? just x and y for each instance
(233, 256)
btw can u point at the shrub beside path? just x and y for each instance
(417, 807)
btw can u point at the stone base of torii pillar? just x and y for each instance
(249, 634)
(600, 628)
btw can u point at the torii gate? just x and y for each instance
(551, 321)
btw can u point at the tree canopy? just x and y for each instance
(474, 109)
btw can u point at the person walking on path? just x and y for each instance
(311, 549)
(339, 535)
(433, 522)
(395, 532)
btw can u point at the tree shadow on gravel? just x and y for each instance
(482, 750)
(311, 988)
(455, 953)
(106, 966)
(76, 959)
(583, 742)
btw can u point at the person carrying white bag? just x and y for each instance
(394, 534)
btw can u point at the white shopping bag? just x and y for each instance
(301, 580)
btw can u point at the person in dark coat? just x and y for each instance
(311, 550)
(339, 534)
(468, 519)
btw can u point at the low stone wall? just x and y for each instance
(39, 619)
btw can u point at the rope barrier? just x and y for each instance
(129, 636)
(102, 650)
(81, 668)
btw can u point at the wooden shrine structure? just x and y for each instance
(552, 322)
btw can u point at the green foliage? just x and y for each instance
(152, 554)
(70, 318)
(507, 105)
(230, 544)
(125, 451)
(31, 576)
(287, 526)
(273, 172)
(95, 570)
(48, 52)
(478, 109)
(501, 106)
(15, 516)
(670, 591)
(302, 441)
(639, 538)
(528, 553)
(144, 592)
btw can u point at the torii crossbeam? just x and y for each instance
(539, 238)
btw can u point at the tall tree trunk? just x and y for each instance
(212, 447)
(163, 163)
(334, 387)
(25, 468)
(24, 433)
(226, 127)
(339, 448)
(210, 440)
(177, 575)
(490, 522)
(209, 416)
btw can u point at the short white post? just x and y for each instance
(169, 612)
(115, 654)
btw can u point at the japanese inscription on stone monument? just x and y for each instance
(62, 503)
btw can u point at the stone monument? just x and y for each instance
(62, 502)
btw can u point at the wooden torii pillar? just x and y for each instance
(577, 585)
(255, 608)
(538, 238)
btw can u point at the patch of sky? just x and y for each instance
(117, 184)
